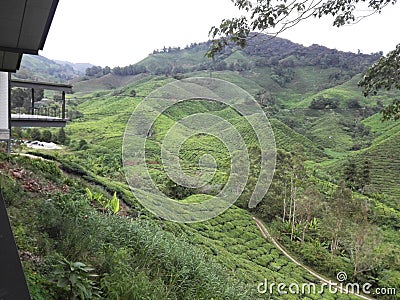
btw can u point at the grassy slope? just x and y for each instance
(291, 141)
(108, 82)
(384, 166)
(384, 163)
(125, 252)
(382, 155)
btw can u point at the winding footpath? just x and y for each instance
(268, 236)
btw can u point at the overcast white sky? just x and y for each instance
(123, 32)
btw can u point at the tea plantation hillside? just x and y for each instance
(325, 162)
(332, 203)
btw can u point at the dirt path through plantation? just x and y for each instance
(267, 235)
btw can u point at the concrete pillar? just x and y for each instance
(5, 132)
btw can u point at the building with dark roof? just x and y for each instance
(24, 25)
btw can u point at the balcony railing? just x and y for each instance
(52, 112)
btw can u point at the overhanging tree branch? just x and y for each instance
(384, 74)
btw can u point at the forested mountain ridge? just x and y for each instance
(261, 51)
(287, 71)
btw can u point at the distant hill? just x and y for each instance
(79, 67)
(261, 51)
(36, 67)
(279, 65)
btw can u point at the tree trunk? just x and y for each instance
(284, 204)
(293, 192)
(355, 270)
(293, 219)
(334, 242)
